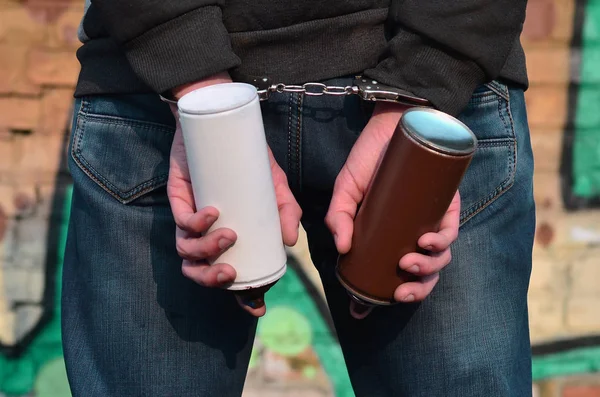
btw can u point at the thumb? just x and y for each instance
(289, 210)
(340, 216)
(342, 227)
(353, 180)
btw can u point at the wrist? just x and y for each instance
(219, 78)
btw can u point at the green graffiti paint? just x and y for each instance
(586, 145)
(290, 294)
(51, 380)
(18, 375)
(573, 362)
(285, 331)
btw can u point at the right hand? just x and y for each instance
(193, 242)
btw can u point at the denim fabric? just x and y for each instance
(133, 326)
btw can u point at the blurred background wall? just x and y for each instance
(296, 353)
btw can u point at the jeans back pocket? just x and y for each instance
(124, 152)
(492, 170)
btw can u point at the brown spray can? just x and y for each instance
(411, 191)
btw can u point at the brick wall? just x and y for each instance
(564, 300)
(38, 70)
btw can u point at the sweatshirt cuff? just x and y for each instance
(188, 48)
(446, 79)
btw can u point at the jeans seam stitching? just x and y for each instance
(494, 144)
(289, 140)
(92, 173)
(126, 122)
(123, 196)
(507, 183)
(494, 86)
(516, 143)
(484, 98)
(298, 141)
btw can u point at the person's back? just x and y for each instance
(143, 312)
(167, 43)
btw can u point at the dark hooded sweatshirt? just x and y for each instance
(437, 49)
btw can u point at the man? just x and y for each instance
(137, 321)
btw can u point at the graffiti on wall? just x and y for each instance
(295, 341)
(31, 352)
(580, 165)
(296, 344)
(579, 179)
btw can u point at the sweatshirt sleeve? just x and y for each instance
(442, 50)
(170, 43)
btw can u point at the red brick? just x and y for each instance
(546, 189)
(581, 391)
(547, 105)
(12, 69)
(53, 68)
(548, 65)
(7, 154)
(16, 24)
(565, 14)
(19, 113)
(39, 158)
(56, 111)
(45, 11)
(548, 21)
(547, 148)
(541, 19)
(63, 33)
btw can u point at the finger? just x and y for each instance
(196, 222)
(256, 312)
(341, 225)
(434, 242)
(342, 209)
(290, 212)
(359, 311)
(290, 215)
(416, 291)
(218, 275)
(201, 248)
(179, 187)
(424, 265)
(451, 220)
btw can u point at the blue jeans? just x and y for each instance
(134, 326)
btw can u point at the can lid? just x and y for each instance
(439, 131)
(217, 98)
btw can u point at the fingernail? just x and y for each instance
(210, 219)
(409, 298)
(414, 269)
(222, 278)
(429, 247)
(224, 243)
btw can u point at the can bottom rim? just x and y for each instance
(360, 297)
(261, 282)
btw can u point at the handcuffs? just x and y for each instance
(365, 88)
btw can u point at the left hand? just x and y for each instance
(194, 244)
(350, 188)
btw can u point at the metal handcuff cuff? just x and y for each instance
(366, 89)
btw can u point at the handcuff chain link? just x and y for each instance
(309, 89)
